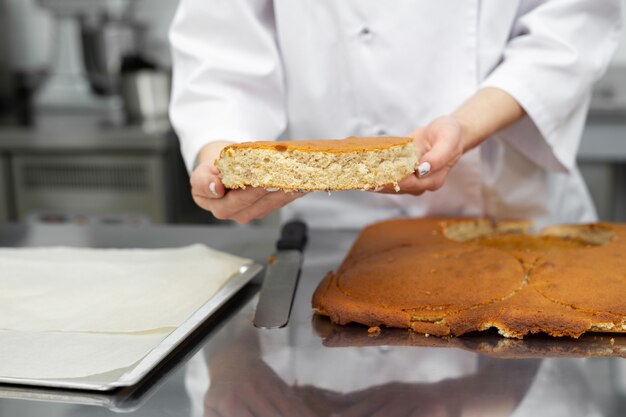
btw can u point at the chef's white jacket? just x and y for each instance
(262, 69)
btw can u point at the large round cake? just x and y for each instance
(454, 276)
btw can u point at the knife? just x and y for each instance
(281, 277)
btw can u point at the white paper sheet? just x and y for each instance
(41, 355)
(75, 312)
(108, 290)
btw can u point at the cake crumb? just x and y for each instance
(426, 335)
(373, 331)
(612, 341)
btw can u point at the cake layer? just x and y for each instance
(451, 277)
(347, 164)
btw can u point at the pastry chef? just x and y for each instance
(496, 91)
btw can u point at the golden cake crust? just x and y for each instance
(319, 165)
(351, 144)
(411, 274)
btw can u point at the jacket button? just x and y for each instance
(365, 33)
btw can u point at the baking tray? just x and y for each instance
(132, 374)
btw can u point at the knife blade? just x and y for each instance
(281, 277)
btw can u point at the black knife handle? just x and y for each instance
(293, 236)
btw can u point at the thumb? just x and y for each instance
(216, 188)
(444, 150)
(206, 184)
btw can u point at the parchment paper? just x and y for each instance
(42, 355)
(74, 312)
(108, 290)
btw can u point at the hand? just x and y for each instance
(440, 145)
(242, 205)
(242, 386)
(399, 399)
(446, 138)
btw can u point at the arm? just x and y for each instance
(442, 142)
(228, 87)
(557, 49)
(485, 113)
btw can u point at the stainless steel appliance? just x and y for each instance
(100, 149)
(69, 169)
(130, 85)
(4, 191)
(25, 56)
(146, 95)
(105, 42)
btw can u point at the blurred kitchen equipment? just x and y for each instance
(146, 95)
(105, 43)
(25, 57)
(101, 148)
(110, 47)
(68, 88)
(145, 90)
(5, 75)
(609, 93)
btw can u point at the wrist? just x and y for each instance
(488, 111)
(470, 136)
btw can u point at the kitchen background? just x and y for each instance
(84, 135)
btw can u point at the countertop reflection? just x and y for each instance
(314, 368)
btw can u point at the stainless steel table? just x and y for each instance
(314, 368)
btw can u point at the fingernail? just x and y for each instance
(423, 169)
(212, 189)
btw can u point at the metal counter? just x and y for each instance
(313, 368)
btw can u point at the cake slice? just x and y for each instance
(309, 165)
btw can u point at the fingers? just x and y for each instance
(245, 205)
(417, 186)
(255, 401)
(205, 179)
(366, 408)
(444, 146)
(430, 410)
(234, 201)
(247, 400)
(395, 408)
(287, 403)
(266, 205)
(210, 412)
(431, 182)
(220, 402)
(438, 146)
(205, 184)
(242, 205)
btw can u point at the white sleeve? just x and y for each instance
(227, 74)
(557, 50)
